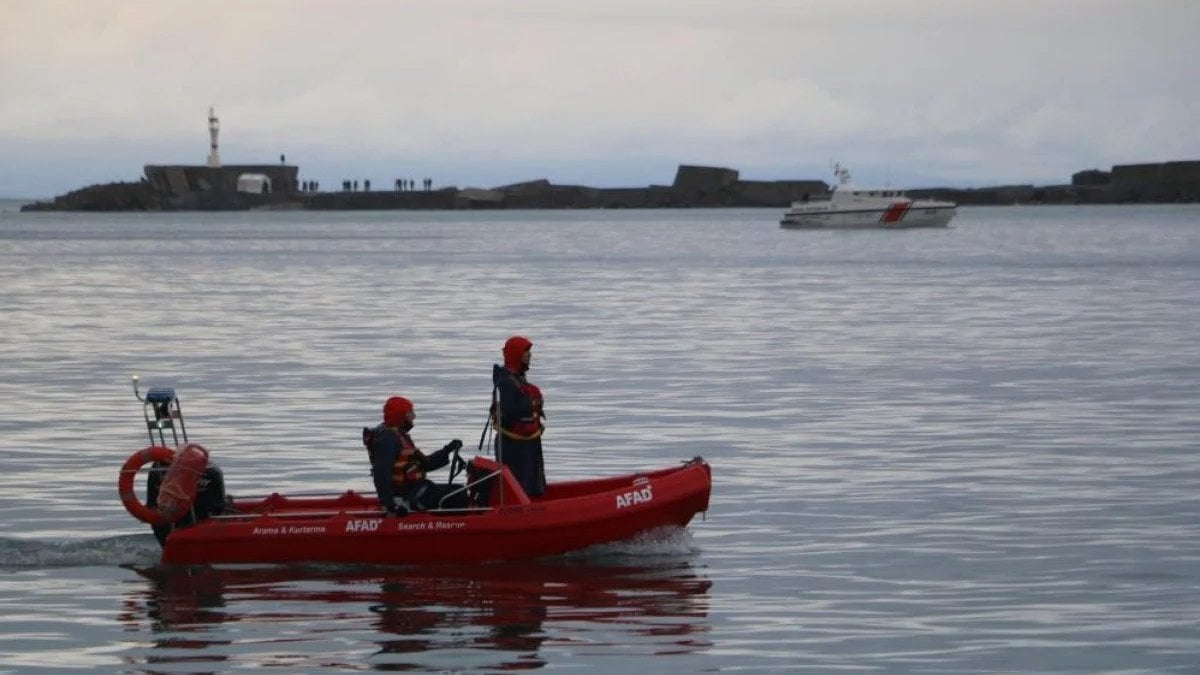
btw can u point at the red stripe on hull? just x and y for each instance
(895, 213)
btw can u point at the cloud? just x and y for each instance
(946, 91)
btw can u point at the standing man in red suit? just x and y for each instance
(518, 415)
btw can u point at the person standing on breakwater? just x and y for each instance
(517, 413)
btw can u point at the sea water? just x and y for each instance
(974, 449)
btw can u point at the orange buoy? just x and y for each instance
(178, 488)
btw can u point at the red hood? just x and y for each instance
(514, 352)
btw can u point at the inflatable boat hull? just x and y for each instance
(349, 528)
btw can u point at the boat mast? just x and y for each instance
(842, 173)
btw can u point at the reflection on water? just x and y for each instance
(492, 616)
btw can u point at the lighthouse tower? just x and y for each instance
(214, 127)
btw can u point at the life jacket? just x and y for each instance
(408, 462)
(526, 428)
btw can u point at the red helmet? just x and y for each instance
(395, 409)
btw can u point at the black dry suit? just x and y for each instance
(398, 471)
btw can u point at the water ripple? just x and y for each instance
(971, 450)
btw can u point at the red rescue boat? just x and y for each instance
(501, 524)
(350, 528)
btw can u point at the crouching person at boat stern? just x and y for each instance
(398, 468)
(518, 414)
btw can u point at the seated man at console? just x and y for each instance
(398, 467)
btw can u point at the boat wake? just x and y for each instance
(130, 549)
(667, 543)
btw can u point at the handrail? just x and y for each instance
(328, 514)
(304, 514)
(468, 486)
(320, 514)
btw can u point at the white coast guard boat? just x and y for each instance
(854, 207)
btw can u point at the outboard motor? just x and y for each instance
(162, 412)
(210, 497)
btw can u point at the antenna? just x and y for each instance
(842, 173)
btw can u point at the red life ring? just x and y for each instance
(178, 488)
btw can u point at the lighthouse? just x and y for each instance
(214, 127)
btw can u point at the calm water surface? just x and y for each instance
(945, 451)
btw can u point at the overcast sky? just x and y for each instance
(916, 93)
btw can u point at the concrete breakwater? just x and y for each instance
(1156, 183)
(263, 186)
(277, 187)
